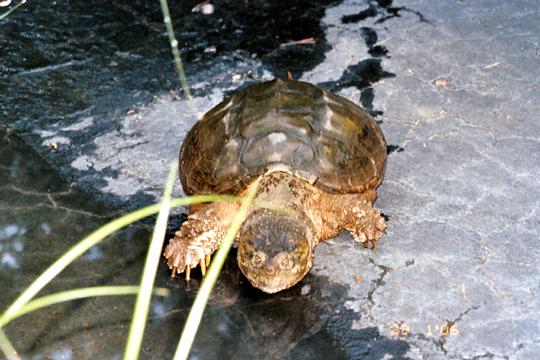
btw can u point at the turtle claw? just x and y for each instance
(183, 256)
(369, 228)
(188, 272)
(366, 242)
(203, 266)
(182, 262)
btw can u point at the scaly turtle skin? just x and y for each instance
(317, 155)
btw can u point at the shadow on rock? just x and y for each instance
(382, 9)
(308, 321)
(369, 71)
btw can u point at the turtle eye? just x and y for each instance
(285, 262)
(258, 259)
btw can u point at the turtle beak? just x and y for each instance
(275, 282)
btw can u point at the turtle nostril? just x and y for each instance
(270, 266)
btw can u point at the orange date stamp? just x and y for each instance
(401, 329)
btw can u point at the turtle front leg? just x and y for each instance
(354, 213)
(199, 237)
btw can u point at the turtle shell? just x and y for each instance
(290, 125)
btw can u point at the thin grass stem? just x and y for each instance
(140, 313)
(12, 9)
(196, 312)
(174, 48)
(7, 348)
(91, 240)
(76, 294)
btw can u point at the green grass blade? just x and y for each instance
(63, 296)
(196, 312)
(76, 294)
(140, 314)
(174, 47)
(7, 348)
(12, 9)
(95, 237)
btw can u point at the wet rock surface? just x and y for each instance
(455, 87)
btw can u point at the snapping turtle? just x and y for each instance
(316, 154)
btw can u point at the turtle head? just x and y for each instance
(275, 250)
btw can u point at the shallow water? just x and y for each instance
(42, 217)
(71, 60)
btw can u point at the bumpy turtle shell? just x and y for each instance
(290, 125)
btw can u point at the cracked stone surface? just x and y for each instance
(455, 86)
